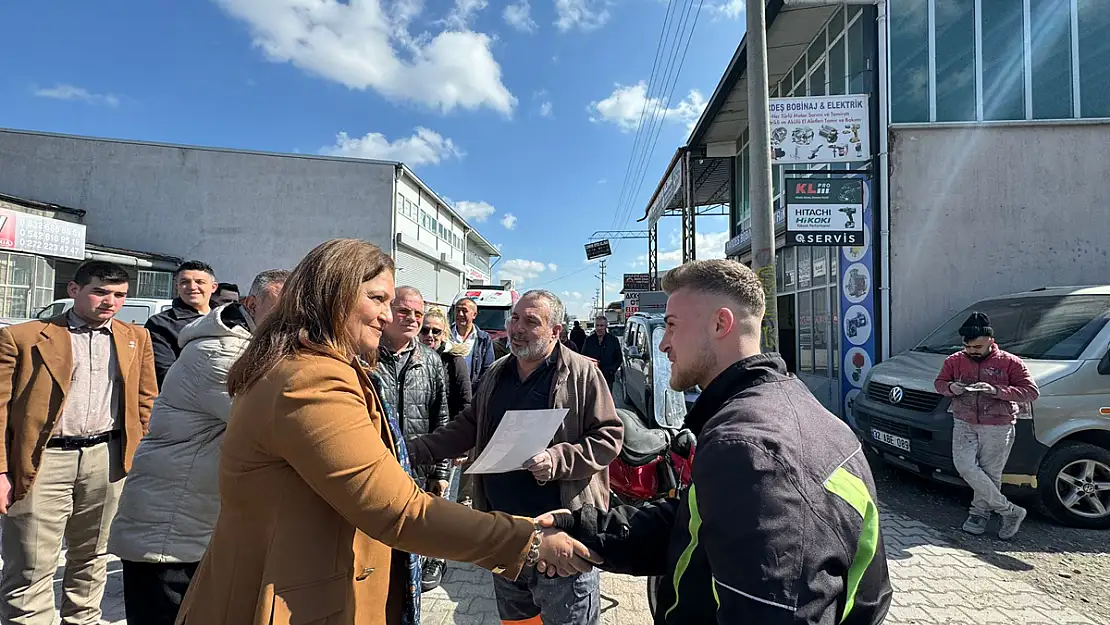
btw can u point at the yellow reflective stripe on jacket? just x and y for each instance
(852, 490)
(688, 552)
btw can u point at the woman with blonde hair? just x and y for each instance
(319, 514)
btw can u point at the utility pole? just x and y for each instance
(759, 197)
(601, 265)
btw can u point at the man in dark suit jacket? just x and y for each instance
(75, 398)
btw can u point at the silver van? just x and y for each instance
(1061, 453)
(135, 310)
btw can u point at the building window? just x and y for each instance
(999, 60)
(154, 285)
(805, 276)
(805, 331)
(820, 333)
(26, 285)
(955, 61)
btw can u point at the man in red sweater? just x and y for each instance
(985, 384)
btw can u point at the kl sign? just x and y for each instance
(824, 211)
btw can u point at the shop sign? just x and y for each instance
(666, 195)
(598, 249)
(640, 282)
(24, 232)
(631, 303)
(474, 274)
(736, 244)
(820, 129)
(653, 302)
(857, 310)
(824, 211)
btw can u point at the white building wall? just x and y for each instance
(241, 212)
(977, 212)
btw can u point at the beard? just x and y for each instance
(701, 361)
(532, 351)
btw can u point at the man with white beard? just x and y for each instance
(572, 472)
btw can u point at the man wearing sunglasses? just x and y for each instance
(413, 383)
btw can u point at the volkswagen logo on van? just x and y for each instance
(896, 395)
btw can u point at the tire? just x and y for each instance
(1063, 473)
(653, 594)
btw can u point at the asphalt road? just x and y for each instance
(1071, 564)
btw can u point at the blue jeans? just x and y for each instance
(536, 598)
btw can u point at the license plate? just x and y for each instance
(890, 439)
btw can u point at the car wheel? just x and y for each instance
(1074, 485)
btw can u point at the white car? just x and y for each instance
(135, 310)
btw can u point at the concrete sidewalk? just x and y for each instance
(934, 583)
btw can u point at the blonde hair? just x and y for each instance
(458, 349)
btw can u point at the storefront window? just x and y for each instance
(955, 54)
(834, 334)
(26, 285)
(817, 79)
(860, 78)
(820, 266)
(1003, 59)
(805, 277)
(778, 272)
(805, 332)
(838, 69)
(1094, 57)
(820, 333)
(788, 268)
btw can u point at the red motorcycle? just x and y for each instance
(653, 463)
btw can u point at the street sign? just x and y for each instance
(640, 282)
(824, 211)
(598, 249)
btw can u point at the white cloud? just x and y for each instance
(509, 221)
(464, 11)
(552, 267)
(424, 147)
(603, 181)
(625, 106)
(581, 14)
(70, 92)
(474, 211)
(731, 9)
(519, 16)
(520, 269)
(366, 44)
(546, 109)
(709, 245)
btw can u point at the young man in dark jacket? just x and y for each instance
(780, 525)
(195, 283)
(413, 382)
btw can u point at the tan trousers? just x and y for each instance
(74, 497)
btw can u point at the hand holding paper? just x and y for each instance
(520, 437)
(541, 465)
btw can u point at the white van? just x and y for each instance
(135, 310)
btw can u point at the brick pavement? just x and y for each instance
(934, 583)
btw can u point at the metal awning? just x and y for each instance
(714, 139)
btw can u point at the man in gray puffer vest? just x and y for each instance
(414, 384)
(171, 499)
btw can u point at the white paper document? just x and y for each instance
(521, 435)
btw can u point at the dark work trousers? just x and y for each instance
(152, 593)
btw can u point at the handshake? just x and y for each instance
(559, 553)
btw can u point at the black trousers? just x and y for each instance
(152, 593)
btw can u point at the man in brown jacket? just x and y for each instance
(75, 397)
(539, 374)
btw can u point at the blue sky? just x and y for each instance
(522, 112)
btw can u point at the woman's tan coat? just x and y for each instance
(312, 501)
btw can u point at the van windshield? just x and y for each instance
(1036, 328)
(492, 319)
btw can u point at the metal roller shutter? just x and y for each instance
(450, 283)
(416, 271)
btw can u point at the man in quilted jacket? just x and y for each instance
(985, 384)
(414, 383)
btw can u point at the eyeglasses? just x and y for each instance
(433, 331)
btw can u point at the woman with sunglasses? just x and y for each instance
(434, 334)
